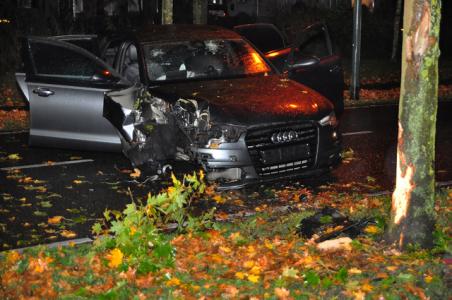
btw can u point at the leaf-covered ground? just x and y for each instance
(256, 257)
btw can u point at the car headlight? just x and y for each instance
(329, 120)
(224, 133)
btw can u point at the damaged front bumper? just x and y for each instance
(153, 131)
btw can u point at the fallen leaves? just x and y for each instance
(55, 220)
(136, 173)
(68, 234)
(14, 156)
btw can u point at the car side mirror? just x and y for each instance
(304, 62)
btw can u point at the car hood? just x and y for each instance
(252, 100)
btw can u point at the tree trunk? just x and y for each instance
(167, 11)
(199, 11)
(395, 40)
(412, 215)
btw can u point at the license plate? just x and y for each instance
(285, 154)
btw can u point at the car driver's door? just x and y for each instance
(326, 74)
(65, 87)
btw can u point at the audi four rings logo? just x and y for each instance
(284, 136)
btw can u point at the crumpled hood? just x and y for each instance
(252, 100)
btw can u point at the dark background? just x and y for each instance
(43, 17)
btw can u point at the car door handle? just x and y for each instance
(43, 92)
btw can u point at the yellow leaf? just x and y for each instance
(240, 275)
(201, 175)
(14, 156)
(174, 179)
(68, 234)
(248, 264)
(133, 229)
(282, 293)
(290, 272)
(225, 249)
(218, 199)
(391, 268)
(115, 258)
(235, 236)
(12, 257)
(256, 270)
(77, 181)
(253, 278)
(173, 282)
(372, 229)
(367, 287)
(55, 220)
(136, 173)
(428, 278)
(354, 271)
(268, 244)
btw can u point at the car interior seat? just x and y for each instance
(131, 70)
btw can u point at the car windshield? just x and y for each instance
(208, 59)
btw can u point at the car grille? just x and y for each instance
(273, 157)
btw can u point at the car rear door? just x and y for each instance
(65, 85)
(326, 76)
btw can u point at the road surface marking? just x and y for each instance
(53, 164)
(57, 244)
(357, 133)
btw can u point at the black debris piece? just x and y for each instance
(329, 223)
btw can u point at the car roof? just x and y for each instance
(183, 32)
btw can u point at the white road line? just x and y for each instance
(57, 244)
(53, 164)
(356, 133)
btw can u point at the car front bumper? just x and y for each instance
(240, 164)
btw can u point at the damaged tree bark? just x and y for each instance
(412, 216)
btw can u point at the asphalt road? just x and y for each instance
(80, 185)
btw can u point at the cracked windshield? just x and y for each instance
(202, 59)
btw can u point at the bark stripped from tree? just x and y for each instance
(412, 216)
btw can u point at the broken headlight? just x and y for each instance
(330, 120)
(224, 133)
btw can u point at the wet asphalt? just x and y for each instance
(88, 183)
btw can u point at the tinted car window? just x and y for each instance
(90, 45)
(265, 38)
(57, 61)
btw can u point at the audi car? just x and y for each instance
(197, 93)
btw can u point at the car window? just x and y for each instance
(209, 59)
(56, 61)
(110, 52)
(265, 38)
(314, 44)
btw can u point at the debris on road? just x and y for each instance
(329, 223)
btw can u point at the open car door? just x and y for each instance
(65, 86)
(325, 73)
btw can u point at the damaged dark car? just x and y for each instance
(196, 93)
